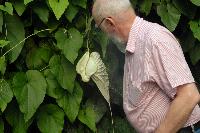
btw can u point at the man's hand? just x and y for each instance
(186, 99)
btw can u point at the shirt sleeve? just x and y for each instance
(171, 68)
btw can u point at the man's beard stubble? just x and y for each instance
(120, 43)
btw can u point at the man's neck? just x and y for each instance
(126, 27)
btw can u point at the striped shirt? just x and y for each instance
(154, 66)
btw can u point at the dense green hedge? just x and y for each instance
(41, 42)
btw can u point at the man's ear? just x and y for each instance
(111, 25)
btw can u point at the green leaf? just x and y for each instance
(1, 125)
(50, 119)
(16, 33)
(195, 54)
(58, 7)
(196, 2)
(145, 6)
(53, 88)
(6, 94)
(88, 117)
(7, 8)
(38, 58)
(81, 3)
(19, 6)
(79, 128)
(103, 40)
(71, 102)
(15, 118)
(134, 2)
(121, 125)
(185, 7)
(29, 89)
(170, 16)
(195, 27)
(156, 1)
(69, 43)
(188, 41)
(80, 22)
(1, 21)
(71, 12)
(42, 12)
(3, 43)
(64, 72)
(99, 106)
(27, 1)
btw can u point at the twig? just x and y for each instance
(24, 40)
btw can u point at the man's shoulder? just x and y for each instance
(161, 38)
(158, 34)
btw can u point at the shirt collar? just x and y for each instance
(133, 34)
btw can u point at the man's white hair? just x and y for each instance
(106, 8)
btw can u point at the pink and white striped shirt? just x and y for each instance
(154, 66)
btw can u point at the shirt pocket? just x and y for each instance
(135, 94)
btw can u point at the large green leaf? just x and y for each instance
(7, 8)
(27, 1)
(104, 125)
(3, 43)
(69, 43)
(1, 21)
(195, 54)
(50, 119)
(134, 2)
(102, 39)
(187, 40)
(53, 88)
(145, 6)
(185, 7)
(42, 12)
(2, 65)
(196, 2)
(99, 106)
(121, 125)
(19, 6)
(71, 12)
(75, 129)
(58, 7)
(195, 27)
(16, 119)
(170, 16)
(29, 89)
(71, 102)
(6, 94)
(16, 33)
(38, 58)
(81, 3)
(88, 117)
(1, 125)
(64, 72)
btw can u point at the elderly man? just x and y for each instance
(159, 91)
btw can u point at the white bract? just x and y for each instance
(91, 66)
(81, 65)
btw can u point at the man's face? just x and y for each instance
(112, 32)
(110, 26)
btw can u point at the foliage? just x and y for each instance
(41, 43)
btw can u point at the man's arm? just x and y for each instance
(186, 99)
